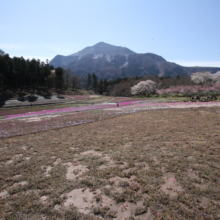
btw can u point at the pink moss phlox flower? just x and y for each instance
(132, 102)
(72, 109)
(64, 110)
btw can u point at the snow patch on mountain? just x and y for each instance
(96, 56)
(125, 64)
(109, 57)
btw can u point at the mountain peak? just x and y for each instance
(102, 43)
(104, 48)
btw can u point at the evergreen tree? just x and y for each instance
(101, 87)
(33, 73)
(59, 77)
(17, 72)
(105, 85)
(89, 81)
(1, 52)
(94, 82)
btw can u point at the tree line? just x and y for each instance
(197, 83)
(25, 74)
(95, 85)
(17, 72)
(202, 83)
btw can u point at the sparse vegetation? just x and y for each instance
(161, 164)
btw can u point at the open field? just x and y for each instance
(117, 163)
(43, 100)
(32, 120)
(20, 107)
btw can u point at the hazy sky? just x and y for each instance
(183, 31)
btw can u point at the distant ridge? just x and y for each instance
(111, 62)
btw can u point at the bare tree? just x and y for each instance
(75, 82)
(67, 77)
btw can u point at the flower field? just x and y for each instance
(61, 111)
(67, 110)
(32, 122)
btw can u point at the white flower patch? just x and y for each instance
(38, 118)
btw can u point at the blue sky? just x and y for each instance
(183, 31)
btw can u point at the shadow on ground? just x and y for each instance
(2, 103)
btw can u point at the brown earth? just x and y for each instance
(155, 164)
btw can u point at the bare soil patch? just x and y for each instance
(158, 164)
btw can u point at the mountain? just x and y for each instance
(110, 62)
(97, 51)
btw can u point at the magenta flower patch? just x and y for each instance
(74, 109)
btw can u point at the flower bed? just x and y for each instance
(74, 109)
(60, 111)
(132, 102)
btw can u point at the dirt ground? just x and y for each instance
(151, 164)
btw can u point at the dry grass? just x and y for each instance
(158, 164)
